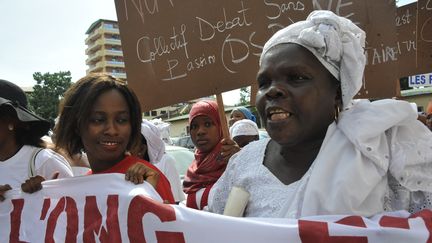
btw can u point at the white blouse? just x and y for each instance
(377, 158)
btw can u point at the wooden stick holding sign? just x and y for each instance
(222, 117)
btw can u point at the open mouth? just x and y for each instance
(201, 142)
(111, 145)
(277, 114)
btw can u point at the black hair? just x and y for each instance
(76, 107)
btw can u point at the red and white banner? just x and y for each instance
(106, 208)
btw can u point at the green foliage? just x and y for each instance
(244, 96)
(48, 92)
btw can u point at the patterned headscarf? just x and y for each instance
(335, 41)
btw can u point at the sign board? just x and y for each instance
(180, 50)
(424, 36)
(420, 80)
(411, 50)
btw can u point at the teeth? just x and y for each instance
(279, 116)
(109, 143)
(276, 111)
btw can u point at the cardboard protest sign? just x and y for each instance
(111, 209)
(180, 50)
(406, 22)
(414, 45)
(424, 36)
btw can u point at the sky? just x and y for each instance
(49, 36)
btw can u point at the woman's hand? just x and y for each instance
(3, 190)
(139, 172)
(229, 147)
(34, 184)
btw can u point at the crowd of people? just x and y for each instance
(327, 153)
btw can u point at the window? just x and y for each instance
(146, 113)
(163, 112)
(154, 113)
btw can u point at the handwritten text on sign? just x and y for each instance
(181, 50)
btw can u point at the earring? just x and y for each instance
(336, 115)
(10, 127)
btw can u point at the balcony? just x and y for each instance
(95, 46)
(103, 29)
(111, 41)
(114, 64)
(94, 36)
(95, 68)
(119, 75)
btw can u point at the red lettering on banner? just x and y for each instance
(15, 219)
(315, 232)
(394, 222)
(141, 205)
(426, 215)
(68, 205)
(45, 207)
(93, 221)
(352, 221)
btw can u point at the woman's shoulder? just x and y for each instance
(253, 152)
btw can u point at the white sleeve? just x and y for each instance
(167, 167)
(221, 189)
(48, 162)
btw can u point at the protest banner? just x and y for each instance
(180, 50)
(111, 209)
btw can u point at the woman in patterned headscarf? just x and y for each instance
(327, 153)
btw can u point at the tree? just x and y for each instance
(244, 96)
(48, 92)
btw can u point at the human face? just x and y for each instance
(243, 140)
(106, 135)
(296, 96)
(204, 133)
(236, 116)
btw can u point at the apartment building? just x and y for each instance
(104, 54)
(104, 48)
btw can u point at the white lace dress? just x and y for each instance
(268, 195)
(377, 158)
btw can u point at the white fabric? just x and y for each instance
(336, 42)
(158, 157)
(244, 127)
(377, 158)
(15, 170)
(155, 145)
(164, 129)
(111, 209)
(167, 167)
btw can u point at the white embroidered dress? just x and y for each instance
(377, 158)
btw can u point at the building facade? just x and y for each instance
(105, 54)
(104, 50)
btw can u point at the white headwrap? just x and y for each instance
(244, 127)
(155, 145)
(336, 42)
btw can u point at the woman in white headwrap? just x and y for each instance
(327, 153)
(244, 132)
(153, 150)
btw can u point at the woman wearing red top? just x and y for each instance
(101, 116)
